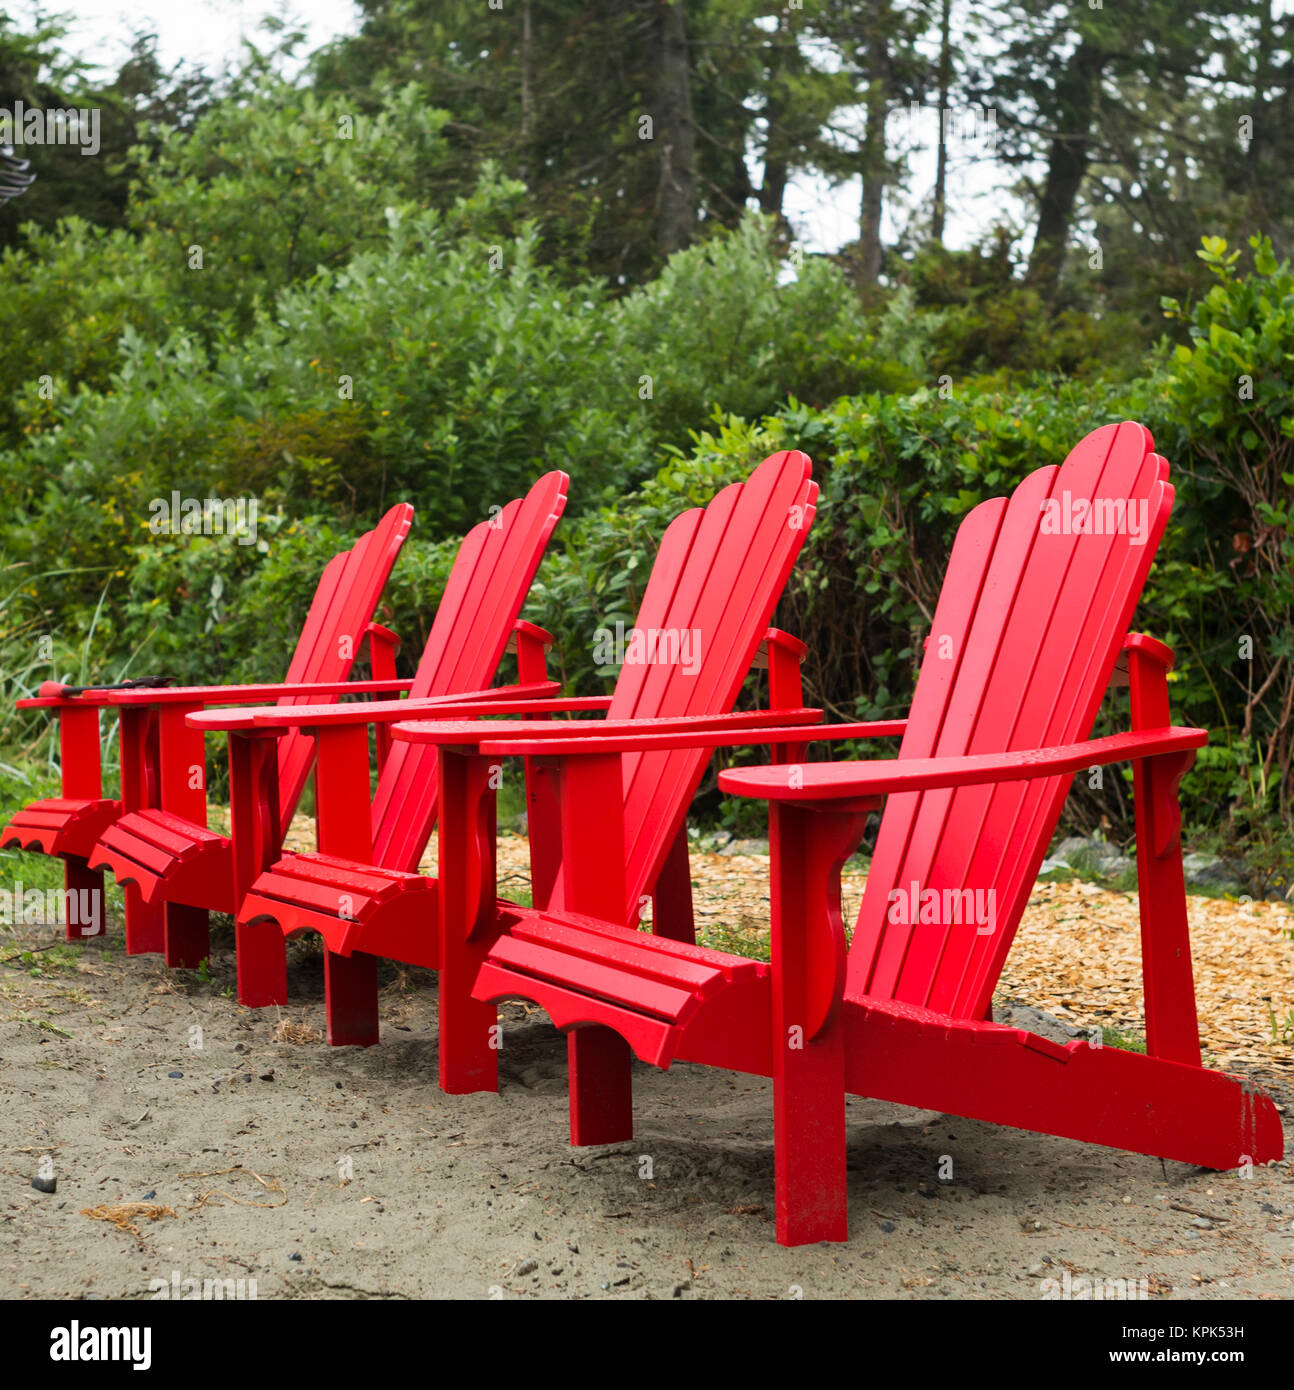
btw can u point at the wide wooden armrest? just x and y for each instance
(524, 699)
(513, 736)
(94, 699)
(248, 694)
(639, 737)
(843, 781)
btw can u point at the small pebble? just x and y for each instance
(527, 1267)
(887, 1227)
(149, 1195)
(295, 1255)
(45, 1184)
(175, 1075)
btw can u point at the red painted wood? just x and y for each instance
(162, 757)
(79, 878)
(743, 544)
(1172, 1030)
(601, 1103)
(345, 832)
(1022, 646)
(259, 948)
(339, 617)
(755, 564)
(383, 647)
(332, 635)
(718, 578)
(467, 886)
(672, 915)
(1026, 636)
(475, 621)
(808, 958)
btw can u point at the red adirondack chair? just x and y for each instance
(360, 892)
(1039, 593)
(338, 620)
(165, 849)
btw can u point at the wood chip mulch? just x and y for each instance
(1076, 956)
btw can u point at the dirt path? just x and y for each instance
(373, 1184)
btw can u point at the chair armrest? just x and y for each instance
(641, 739)
(523, 699)
(93, 699)
(843, 781)
(614, 735)
(251, 694)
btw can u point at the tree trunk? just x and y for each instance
(675, 137)
(1067, 160)
(527, 91)
(873, 161)
(945, 82)
(772, 191)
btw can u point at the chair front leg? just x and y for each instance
(599, 1060)
(183, 791)
(140, 788)
(807, 847)
(468, 889)
(260, 949)
(81, 771)
(344, 811)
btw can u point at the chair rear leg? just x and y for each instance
(145, 924)
(188, 936)
(350, 999)
(260, 953)
(87, 884)
(601, 1086)
(672, 915)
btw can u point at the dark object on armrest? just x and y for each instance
(51, 688)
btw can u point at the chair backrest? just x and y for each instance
(483, 596)
(1038, 596)
(333, 635)
(717, 577)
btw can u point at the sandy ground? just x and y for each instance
(353, 1177)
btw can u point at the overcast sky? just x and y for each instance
(209, 32)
